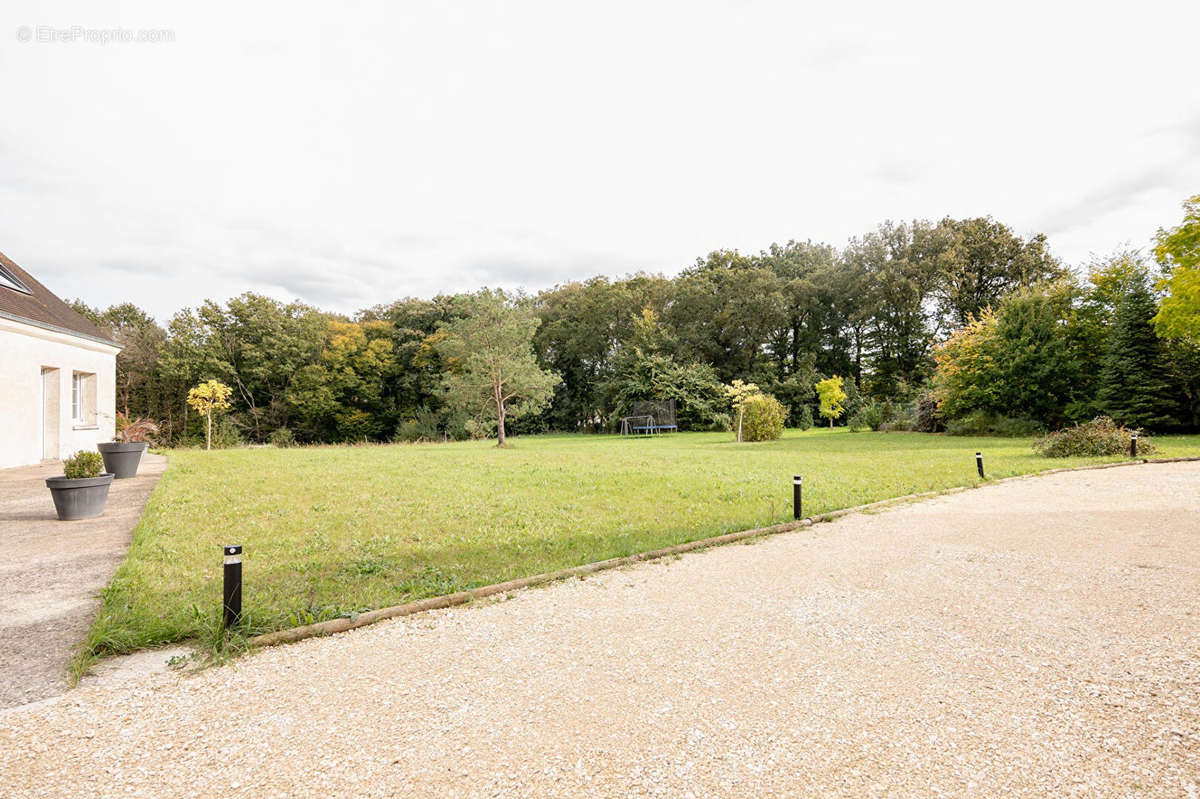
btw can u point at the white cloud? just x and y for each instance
(349, 155)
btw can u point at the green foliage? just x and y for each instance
(980, 262)
(1018, 362)
(873, 415)
(987, 423)
(493, 373)
(83, 464)
(1135, 383)
(282, 437)
(831, 396)
(700, 398)
(1178, 251)
(1101, 436)
(763, 418)
(341, 397)
(1022, 340)
(804, 419)
(425, 425)
(226, 434)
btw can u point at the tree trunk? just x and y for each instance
(741, 413)
(498, 398)
(208, 433)
(830, 422)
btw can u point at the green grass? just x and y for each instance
(331, 531)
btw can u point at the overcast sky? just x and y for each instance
(351, 153)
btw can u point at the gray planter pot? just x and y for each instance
(79, 499)
(122, 459)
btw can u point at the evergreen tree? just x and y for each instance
(1135, 384)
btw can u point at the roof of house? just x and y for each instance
(25, 299)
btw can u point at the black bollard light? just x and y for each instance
(797, 498)
(232, 602)
(979, 464)
(1133, 446)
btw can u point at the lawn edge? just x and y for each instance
(332, 626)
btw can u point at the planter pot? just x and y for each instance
(122, 459)
(79, 499)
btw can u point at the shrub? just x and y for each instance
(904, 421)
(225, 434)
(1101, 436)
(763, 419)
(83, 464)
(804, 417)
(282, 438)
(872, 415)
(927, 414)
(983, 423)
(135, 431)
(422, 427)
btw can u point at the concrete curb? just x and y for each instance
(462, 597)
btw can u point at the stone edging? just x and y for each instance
(462, 597)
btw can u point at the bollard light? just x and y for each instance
(232, 601)
(1133, 446)
(979, 464)
(797, 498)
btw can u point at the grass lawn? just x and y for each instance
(330, 531)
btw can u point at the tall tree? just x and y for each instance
(1135, 384)
(979, 261)
(493, 372)
(897, 272)
(1178, 251)
(584, 324)
(724, 311)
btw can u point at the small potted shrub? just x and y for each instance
(83, 489)
(123, 454)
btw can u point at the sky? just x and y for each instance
(349, 154)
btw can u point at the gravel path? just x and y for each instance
(1035, 638)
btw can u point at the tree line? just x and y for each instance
(960, 323)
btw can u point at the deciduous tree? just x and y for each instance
(209, 396)
(831, 395)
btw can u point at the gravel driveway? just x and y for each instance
(1038, 638)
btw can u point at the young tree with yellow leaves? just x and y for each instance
(207, 397)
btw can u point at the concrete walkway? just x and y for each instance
(51, 572)
(1034, 638)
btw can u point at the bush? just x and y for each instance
(927, 415)
(803, 417)
(226, 434)
(422, 427)
(1101, 436)
(982, 423)
(282, 438)
(872, 415)
(83, 464)
(762, 418)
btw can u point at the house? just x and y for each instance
(57, 374)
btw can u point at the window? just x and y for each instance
(83, 399)
(77, 397)
(9, 281)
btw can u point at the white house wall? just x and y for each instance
(25, 350)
